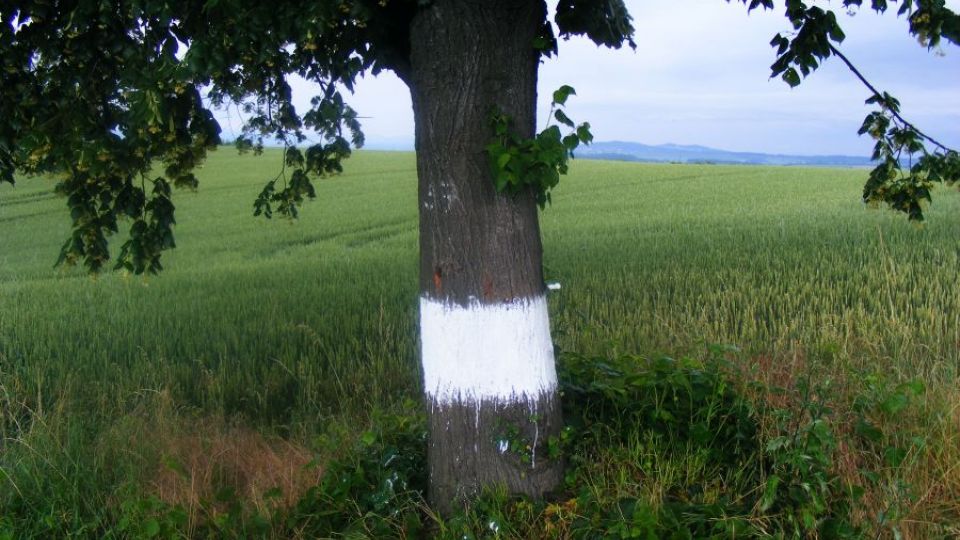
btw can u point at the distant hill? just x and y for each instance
(668, 153)
(631, 151)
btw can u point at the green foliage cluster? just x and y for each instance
(520, 165)
(672, 406)
(97, 95)
(151, 518)
(800, 487)
(880, 408)
(814, 28)
(686, 399)
(605, 22)
(898, 141)
(775, 463)
(376, 489)
(702, 405)
(100, 93)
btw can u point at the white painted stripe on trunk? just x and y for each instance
(499, 352)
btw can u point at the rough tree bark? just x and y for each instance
(488, 363)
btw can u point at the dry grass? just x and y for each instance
(775, 371)
(212, 457)
(935, 475)
(191, 461)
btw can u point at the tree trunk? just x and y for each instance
(488, 365)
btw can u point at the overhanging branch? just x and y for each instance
(893, 112)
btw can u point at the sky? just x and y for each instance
(700, 75)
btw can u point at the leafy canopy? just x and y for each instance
(114, 98)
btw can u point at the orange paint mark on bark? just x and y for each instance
(438, 280)
(487, 286)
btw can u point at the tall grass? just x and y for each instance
(774, 260)
(296, 328)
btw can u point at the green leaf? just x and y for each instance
(894, 403)
(563, 118)
(561, 94)
(894, 456)
(151, 528)
(368, 438)
(833, 28)
(501, 181)
(868, 431)
(769, 493)
(175, 466)
(916, 387)
(583, 132)
(781, 43)
(791, 77)
(777, 443)
(552, 133)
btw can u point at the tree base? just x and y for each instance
(487, 444)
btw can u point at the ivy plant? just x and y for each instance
(535, 164)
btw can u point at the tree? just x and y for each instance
(97, 92)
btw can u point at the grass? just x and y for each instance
(269, 333)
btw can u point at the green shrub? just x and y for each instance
(375, 490)
(677, 400)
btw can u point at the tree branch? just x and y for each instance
(879, 94)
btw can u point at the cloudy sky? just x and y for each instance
(700, 75)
